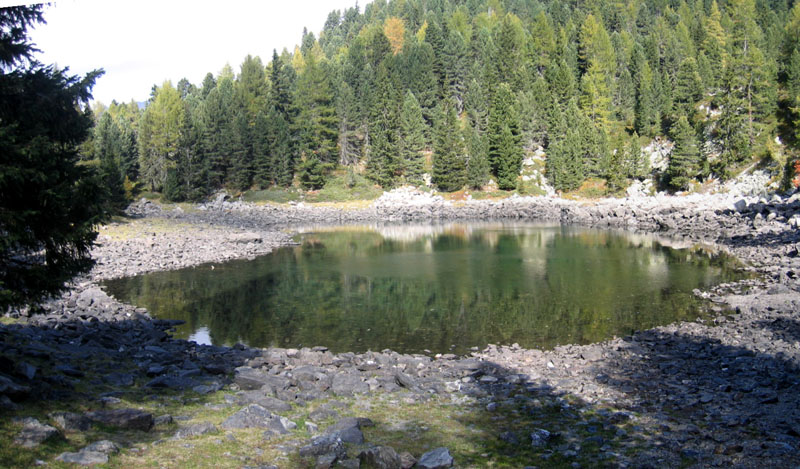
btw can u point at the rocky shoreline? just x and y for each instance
(716, 393)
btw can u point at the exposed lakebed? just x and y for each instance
(441, 287)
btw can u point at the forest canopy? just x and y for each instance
(465, 91)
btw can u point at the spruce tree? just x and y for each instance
(449, 162)
(684, 161)
(505, 146)
(50, 204)
(412, 139)
(478, 163)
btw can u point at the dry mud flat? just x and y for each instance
(716, 393)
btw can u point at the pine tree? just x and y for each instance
(684, 161)
(412, 139)
(263, 168)
(241, 172)
(50, 204)
(316, 125)
(478, 163)
(505, 146)
(449, 163)
(383, 162)
(688, 87)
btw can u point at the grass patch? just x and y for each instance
(593, 188)
(278, 195)
(345, 187)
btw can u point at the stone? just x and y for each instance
(70, 421)
(380, 457)
(325, 444)
(69, 370)
(347, 384)
(405, 380)
(540, 437)
(26, 370)
(407, 460)
(255, 416)
(127, 419)
(119, 379)
(103, 446)
(34, 433)
(197, 429)
(249, 379)
(438, 458)
(14, 391)
(165, 419)
(740, 205)
(268, 402)
(83, 458)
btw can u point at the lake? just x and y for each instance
(439, 288)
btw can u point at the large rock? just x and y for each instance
(255, 416)
(95, 453)
(196, 429)
(34, 433)
(127, 419)
(70, 421)
(347, 384)
(83, 458)
(325, 444)
(14, 391)
(380, 457)
(249, 379)
(268, 402)
(349, 429)
(438, 458)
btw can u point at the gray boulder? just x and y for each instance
(321, 445)
(83, 458)
(34, 433)
(95, 453)
(347, 384)
(127, 419)
(196, 429)
(70, 421)
(380, 457)
(438, 458)
(14, 391)
(255, 416)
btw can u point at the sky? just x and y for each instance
(140, 43)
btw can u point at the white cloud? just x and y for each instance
(142, 43)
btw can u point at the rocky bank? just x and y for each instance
(720, 392)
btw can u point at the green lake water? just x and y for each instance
(441, 288)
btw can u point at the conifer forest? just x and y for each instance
(457, 93)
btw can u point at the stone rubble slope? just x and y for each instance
(714, 393)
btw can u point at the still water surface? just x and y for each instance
(444, 288)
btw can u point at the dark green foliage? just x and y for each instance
(312, 173)
(511, 70)
(505, 145)
(49, 204)
(478, 163)
(384, 163)
(449, 162)
(684, 161)
(412, 139)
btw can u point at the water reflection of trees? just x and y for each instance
(357, 290)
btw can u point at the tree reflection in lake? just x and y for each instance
(444, 288)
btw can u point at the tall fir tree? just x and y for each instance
(684, 161)
(412, 139)
(449, 162)
(505, 145)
